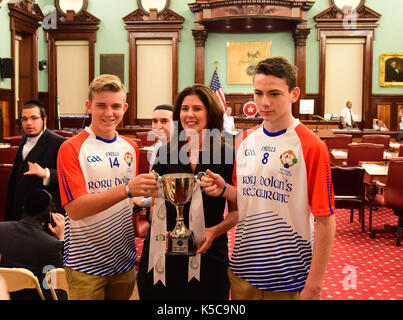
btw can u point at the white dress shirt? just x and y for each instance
(228, 122)
(347, 116)
(26, 149)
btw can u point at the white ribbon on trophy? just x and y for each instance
(197, 225)
(156, 258)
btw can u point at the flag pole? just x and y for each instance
(216, 65)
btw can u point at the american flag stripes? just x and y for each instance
(215, 85)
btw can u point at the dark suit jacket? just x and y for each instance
(45, 154)
(25, 244)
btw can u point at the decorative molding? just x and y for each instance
(364, 18)
(300, 36)
(200, 37)
(166, 17)
(213, 4)
(257, 16)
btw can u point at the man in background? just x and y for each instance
(228, 120)
(346, 116)
(162, 126)
(35, 161)
(27, 244)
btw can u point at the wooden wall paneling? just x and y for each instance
(393, 102)
(24, 21)
(383, 113)
(141, 25)
(331, 23)
(236, 101)
(82, 26)
(6, 104)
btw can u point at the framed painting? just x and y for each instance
(113, 64)
(391, 70)
(242, 58)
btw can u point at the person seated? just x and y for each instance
(379, 125)
(35, 242)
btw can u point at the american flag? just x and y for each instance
(215, 85)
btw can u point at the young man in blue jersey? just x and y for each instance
(282, 182)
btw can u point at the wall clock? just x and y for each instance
(340, 4)
(76, 5)
(160, 5)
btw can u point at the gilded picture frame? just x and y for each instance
(391, 70)
(242, 58)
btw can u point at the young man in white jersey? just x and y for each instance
(282, 181)
(98, 178)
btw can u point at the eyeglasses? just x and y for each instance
(32, 118)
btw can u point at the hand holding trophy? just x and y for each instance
(177, 188)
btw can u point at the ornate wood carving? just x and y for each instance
(82, 26)
(359, 24)
(141, 25)
(255, 16)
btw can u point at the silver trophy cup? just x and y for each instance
(177, 189)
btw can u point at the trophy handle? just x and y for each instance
(160, 190)
(198, 177)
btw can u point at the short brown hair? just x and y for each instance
(106, 82)
(278, 67)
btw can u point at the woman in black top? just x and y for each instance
(196, 109)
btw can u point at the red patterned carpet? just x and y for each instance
(360, 268)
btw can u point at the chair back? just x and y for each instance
(56, 279)
(5, 170)
(378, 139)
(363, 152)
(14, 140)
(348, 181)
(19, 279)
(339, 141)
(393, 191)
(144, 163)
(146, 137)
(64, 133)
(7, 155)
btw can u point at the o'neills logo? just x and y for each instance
(128, 158)
(288, 159)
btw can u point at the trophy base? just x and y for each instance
(181, 247)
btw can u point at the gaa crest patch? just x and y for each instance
(288, 159)
(128, 158)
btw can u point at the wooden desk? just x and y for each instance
(324, 134)
(374, 170)
(357, 133)
(338, 156)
